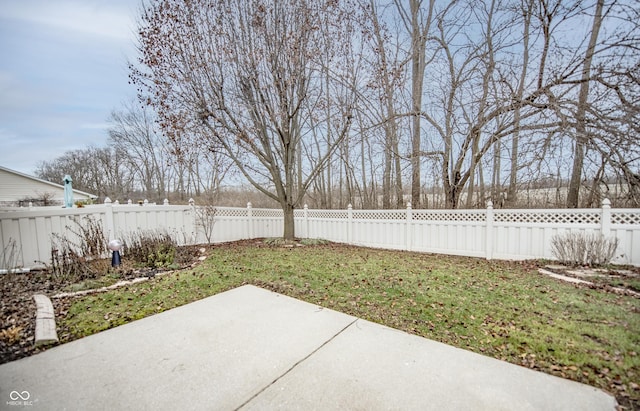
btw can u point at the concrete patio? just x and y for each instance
(250, 348)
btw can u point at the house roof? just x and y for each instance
(58, 186)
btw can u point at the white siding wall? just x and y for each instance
(15, 187)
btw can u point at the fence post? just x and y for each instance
(194, 220)
(408, 228)
(108, 217)
(349, 224)
(489, 231)
(250, 220)
(605, 219)
(306, 221)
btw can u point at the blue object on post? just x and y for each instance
(68, 191)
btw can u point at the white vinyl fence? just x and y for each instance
(488, 233)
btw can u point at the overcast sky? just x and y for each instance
(63, 69)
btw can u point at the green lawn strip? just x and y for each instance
(501, 309)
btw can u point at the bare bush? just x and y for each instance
(206, 218)
(93, 242)
(584, 248)
(66, 263)
(10, 256)
(70, 255)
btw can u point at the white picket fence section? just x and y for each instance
(488, 233)
(32, 229)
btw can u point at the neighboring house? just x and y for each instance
(18, 189)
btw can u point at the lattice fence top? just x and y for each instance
(546, 217)
(267, 212)
(231, 212)
(451, 216)
(328, 214)
(379, 215)
(584, 216)
(625, 217)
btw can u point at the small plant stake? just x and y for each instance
(115, 246)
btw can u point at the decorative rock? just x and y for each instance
(563, 277)
(617, 290)
(111, 287)
(556, 267)
(45, 321)
(585, 273)
(627, 273)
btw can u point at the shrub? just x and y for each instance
(70, 258)
(583, 248)
(206, 218)
(154, 249)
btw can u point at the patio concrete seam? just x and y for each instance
(254, 396)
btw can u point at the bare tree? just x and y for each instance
(133, 131)
(246, 73)
(417, 21)
(499, 89)
(613, 111)
(527, 11)
(96, 170)
(386, 81)
(581, 137)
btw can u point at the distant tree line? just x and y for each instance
(378, 103)
(137, 164)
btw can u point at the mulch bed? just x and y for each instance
(18, 308)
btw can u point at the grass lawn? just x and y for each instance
(501, 309)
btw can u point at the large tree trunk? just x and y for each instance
(386, 177)
(452, 190)
(289, 225)
(398, 185)
(416, 92)
(419, 31)
(512, 194)
(581, 129)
